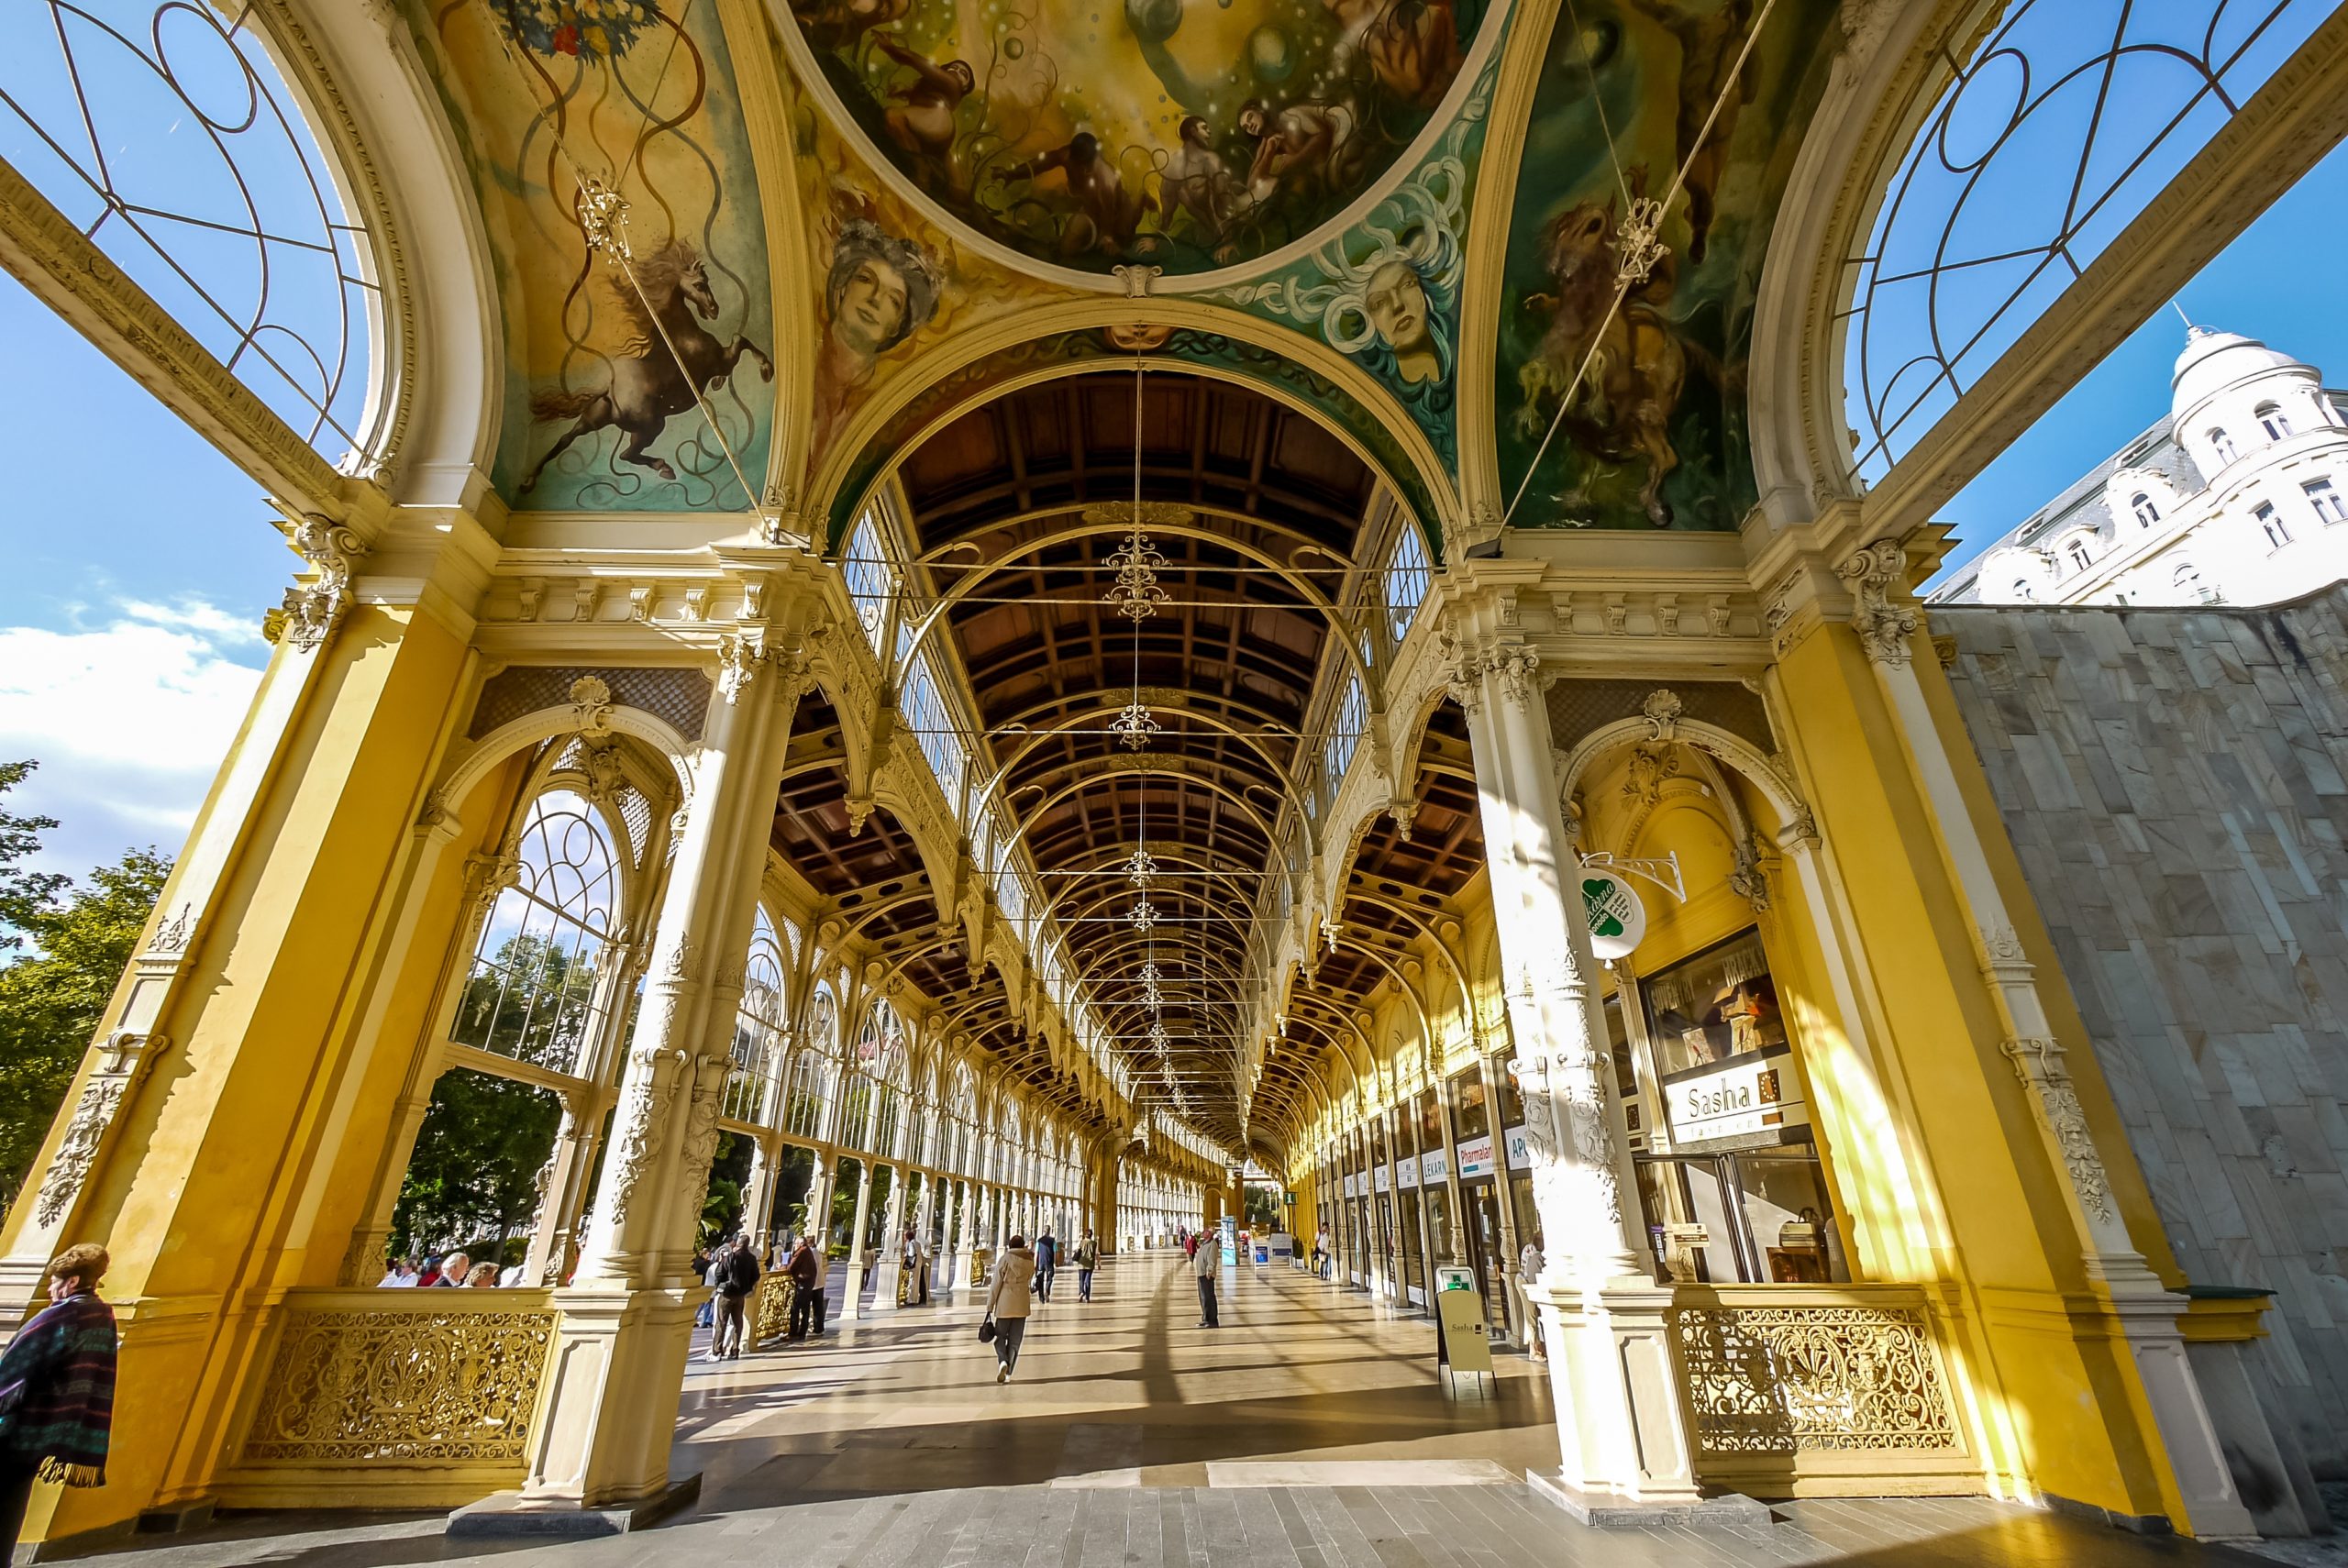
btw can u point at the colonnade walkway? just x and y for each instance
(1312, 1431)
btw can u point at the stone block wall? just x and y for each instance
(2176, 784)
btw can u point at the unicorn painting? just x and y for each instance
(668, 357)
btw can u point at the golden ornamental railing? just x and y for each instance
(378, 1397)
(1816, 1389)
(770, 1306)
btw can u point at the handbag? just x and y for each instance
(987, 1331)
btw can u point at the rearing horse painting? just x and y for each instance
(669, 354)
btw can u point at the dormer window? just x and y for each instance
(2271, 420)
(2147, 513)
(2190, 584)
(2222, 444)
(2021, 591)
(2081, 558)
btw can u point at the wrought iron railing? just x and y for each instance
(1816, 1382)
(377, 1397)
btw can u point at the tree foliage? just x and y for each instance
(64, 949)
(473, 1181)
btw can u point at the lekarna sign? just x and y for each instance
(1617, 919)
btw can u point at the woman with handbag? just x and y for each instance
(1009, 1300)
(57, 1390)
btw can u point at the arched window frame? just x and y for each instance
(2273, 421)
(2221, 444)
(757, 1050)
(328, 375)
(2147, 510)
(569, 887)
(1931, 191)
(815, 1076)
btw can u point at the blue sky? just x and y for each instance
(2273, 283)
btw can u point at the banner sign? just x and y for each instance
(1520, 1153)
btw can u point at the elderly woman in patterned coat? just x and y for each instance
(57, 1390)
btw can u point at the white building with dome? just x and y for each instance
(2239, 497)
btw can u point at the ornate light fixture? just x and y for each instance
(1134, 726)
(1138, 594)
(1144, 914)
(1140, 868)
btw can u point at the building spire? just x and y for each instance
(2191, 331)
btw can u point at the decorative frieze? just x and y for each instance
(121, 1061)
(2039, 1064)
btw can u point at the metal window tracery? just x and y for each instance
(530, 993)
(815, 1072)
(168, 135)
(2065, 124)
(756, 1049)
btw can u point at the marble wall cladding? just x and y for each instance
(2176, 782)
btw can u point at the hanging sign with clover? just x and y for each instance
(1617, 919)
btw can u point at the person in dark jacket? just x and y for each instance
(735, 1273)
(57, 1390)
(804, 1272)
(1088, 1258)
(1047, 1255)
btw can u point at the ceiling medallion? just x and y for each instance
(1135, 727)
(1138, 594)
(1144, 914)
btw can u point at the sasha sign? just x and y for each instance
(1617, 919)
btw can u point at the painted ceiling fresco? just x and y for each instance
(1387, 293)
(1653, 433)
(1176, 134)
(599, 413)
(887, 282)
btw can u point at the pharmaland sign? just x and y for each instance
(1617, 919)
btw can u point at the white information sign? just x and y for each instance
(1406, 1171)
(1520, 1153)
(1617, 919)
(1476, 1158)
(1746, 1096)
(1378, 1179)
(1435, 1167)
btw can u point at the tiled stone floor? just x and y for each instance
(1310, 1432)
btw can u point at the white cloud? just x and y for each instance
(129, 720)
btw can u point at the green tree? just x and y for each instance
(64, 948)
(530, 1001)
(23, 893)
(474, 1179)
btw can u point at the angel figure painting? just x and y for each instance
(1632, 416)
(1183, 136)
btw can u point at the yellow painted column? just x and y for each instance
(197, 1133)
(2050, 1286)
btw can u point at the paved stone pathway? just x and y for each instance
(1311, 1432)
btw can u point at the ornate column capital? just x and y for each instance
(1874, 576)
(311, 612)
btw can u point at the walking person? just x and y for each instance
(736, 1275)
(1047, 1255)
(57, 1390)
(807, 1288)
(1529, 1264)
(1204, 1262)
(1009, 1300)
(1088, 1258)
(822, 1284)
